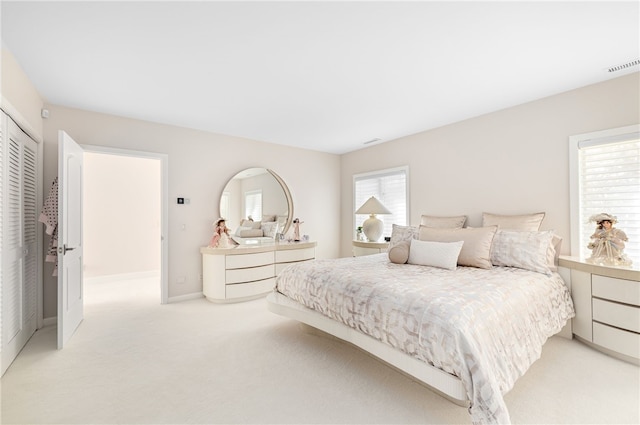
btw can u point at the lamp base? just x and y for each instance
(373, 228)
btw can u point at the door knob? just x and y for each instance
(63, 249)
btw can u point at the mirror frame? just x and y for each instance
(287, 194)
(285, 189)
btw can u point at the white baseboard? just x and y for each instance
(123, 276)
(186, 297)
(50, 321)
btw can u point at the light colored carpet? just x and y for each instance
(135, 361)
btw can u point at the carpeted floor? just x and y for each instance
(135, 361)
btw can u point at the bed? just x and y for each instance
(468, 332)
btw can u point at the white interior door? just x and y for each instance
(70, 291)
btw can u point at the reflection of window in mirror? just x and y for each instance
(275, 198)
(253, 204)
(225, 201)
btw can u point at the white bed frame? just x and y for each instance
(441, 382)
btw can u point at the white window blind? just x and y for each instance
(609, 182)
(253, 204)
(390, 187)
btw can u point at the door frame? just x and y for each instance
(164, 206)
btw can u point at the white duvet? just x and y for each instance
(484, 326)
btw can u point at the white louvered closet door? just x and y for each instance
(19, 240)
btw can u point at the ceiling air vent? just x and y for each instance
(616, 68)
(372, 141)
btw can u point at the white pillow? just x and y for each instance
(476, 251)
(455, 222)
(522, 222)
(435, 254)
(270, 228)
(525, 250)
(242, 229)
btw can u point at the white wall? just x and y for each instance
(510, 161)
(21, 101)
(121, 207)
(20, 98)
(200, 164)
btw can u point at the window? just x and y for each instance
(391, 188)
(253, 204)
(605, 177)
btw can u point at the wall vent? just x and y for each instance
(616, 68)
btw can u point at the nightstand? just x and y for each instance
(607, 303)
(361, 248)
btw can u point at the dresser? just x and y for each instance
(607, 303)
(245, 272)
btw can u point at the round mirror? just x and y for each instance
(257, 205)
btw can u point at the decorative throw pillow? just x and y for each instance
(270, 228)
(476, 251)
(454, 222)
(435, 254)
(241, 229)
(399, 254)
(250, 233)
(524, 250)
(522, 222)
(402, 233)
(251, 224)
(268, 218)
(556, 241)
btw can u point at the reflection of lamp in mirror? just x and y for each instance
(373, 226)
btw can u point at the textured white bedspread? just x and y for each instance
(484, 326)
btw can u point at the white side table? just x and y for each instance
(368, 248)
(607, 303)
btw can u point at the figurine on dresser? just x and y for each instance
(296, 229)
(607, 242)
(220, 238)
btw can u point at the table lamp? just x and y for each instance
(373, 226)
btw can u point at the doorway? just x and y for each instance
(124, 212)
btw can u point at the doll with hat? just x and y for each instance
(220, 238)
(607, 242)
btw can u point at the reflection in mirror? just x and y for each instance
(257, 206)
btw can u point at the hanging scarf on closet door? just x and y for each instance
(49, 216)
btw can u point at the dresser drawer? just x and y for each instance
(249, 260)
(618, 315)
(243, 290)
(250, 274)
(623, 342)
(625, 291)
(292, 255)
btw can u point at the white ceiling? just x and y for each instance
(327, 76)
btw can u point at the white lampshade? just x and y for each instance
(373, 206)
(373, 226)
